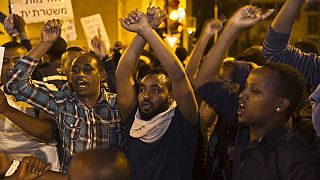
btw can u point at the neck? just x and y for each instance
(90, 101)
(257, 132)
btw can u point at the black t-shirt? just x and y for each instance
(170, 158)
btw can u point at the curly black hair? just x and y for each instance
(289, 84)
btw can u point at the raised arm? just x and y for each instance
(20, 24)
(276, 48)
(283, 22)
(210, 28)
(245, 17)
(126, 69)
(40, 128)
(182, 90)
(19, 81)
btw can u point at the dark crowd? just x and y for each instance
(66, 113)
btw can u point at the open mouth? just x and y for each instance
(146, 105)
(81, 84)
(241, 108)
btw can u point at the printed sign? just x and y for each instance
(92, 26)
(34, 11)
(68, 31)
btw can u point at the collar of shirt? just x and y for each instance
(272, 139)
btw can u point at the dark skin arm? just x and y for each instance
(31, 168)
(126, 69)
(44, 129)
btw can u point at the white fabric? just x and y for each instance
(152, 130)
(17, 144)
(12, 169)
(315, 102)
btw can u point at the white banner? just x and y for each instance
(92, 26)
(34, 11)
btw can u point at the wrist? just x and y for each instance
(206, 35)
(233, 27)
(145, 31)
(45, 44)
(23, 35)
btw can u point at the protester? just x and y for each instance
(277, 49)
(13, 139)
(161, 118)
(219, 84)
(86, 118)
(273, 150)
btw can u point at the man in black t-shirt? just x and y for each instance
(160, 119)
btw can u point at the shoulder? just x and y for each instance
(295, 151)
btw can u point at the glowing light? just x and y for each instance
(182, 13)
(180, 28)
(171, 40)
(174, 15)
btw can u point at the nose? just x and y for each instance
(146, 95)
(243, 94)
(80, 73)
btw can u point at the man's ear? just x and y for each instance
(283, 104)
(102, 75)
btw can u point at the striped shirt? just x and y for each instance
(80, 128)
(276, 48)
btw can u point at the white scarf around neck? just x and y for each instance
(152, 130)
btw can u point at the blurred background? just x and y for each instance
(183, 24)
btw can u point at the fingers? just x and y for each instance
(124, 23)
(37, 166)
(267, 14)
(53, 25)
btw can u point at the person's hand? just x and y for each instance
(98, 46)
(3, 102)
(31, 168)
(248, 16)
(50, 31)
(212, 26)
(19, 23)
(136, 22)
(9, 26)
(155, 16)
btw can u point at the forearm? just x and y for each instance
(166, 56)
(39, 50)
(39, 128)
(284, 20)
(211, 65)
(195, 58)
(130, 58)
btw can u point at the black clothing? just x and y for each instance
(50, 73)
(170, 158)
(281, 154)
